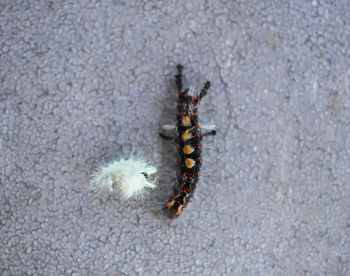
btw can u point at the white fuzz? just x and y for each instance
(208, 127)
(192, 91)
(169, 127)
(130, 176)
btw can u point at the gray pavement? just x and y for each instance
(81, 81)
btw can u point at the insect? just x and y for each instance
(189, 134)
(129, 175)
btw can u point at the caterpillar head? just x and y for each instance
(173, 209)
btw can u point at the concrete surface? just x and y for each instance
(83, 80)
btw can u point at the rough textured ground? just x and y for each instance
(82, 80)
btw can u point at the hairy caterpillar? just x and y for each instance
(188, 137)
(129, 175)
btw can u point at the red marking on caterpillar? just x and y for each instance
(189, 146)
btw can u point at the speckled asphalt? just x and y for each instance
(81, 81)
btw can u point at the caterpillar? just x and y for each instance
(129, 175)
(189, 134)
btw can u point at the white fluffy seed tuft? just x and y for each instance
(130, 176)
